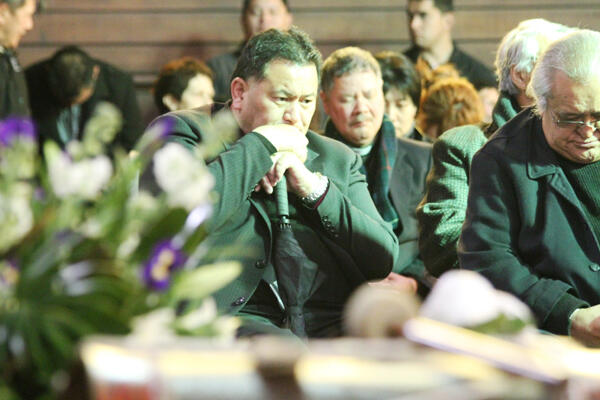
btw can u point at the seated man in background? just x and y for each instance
(65, 89)
(401, 91)
(183, 84)
(274, 91)
(533, 213)
(442, 212)
(16, 19)
(257, 16)
(352, 95)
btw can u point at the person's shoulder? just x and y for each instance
(194, 116)
(465, 140)
(514, 137)
(462, 135)
(414, 145)
(325, 145)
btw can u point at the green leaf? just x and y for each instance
(203, 281)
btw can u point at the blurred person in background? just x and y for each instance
(65, 89)
(257, 16)
(448, 103)
(16, 19)
(182, 84)
(401, 91)
(430, 24)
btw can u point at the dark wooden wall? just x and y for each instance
(141, 35)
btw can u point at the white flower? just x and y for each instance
(182, 176)
(16, 219)
(84, 178)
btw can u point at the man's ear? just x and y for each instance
(95, 72)
(323, 97)
(239, 89)
(519, 78)
(170, 102)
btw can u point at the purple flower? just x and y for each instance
(16, 127)
(9, 273)
(165, 259)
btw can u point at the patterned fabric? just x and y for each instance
(442, 212)
(378, 167)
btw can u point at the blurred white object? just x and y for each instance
(465, 298)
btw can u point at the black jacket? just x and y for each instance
(112, 85)
(13, 89)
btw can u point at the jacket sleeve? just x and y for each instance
(442, 212)
(237, 171)
(489, 245)
(350, 219)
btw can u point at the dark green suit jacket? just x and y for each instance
(346, 222)
(525, 228)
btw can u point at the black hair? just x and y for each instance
(70, 70)
(174, 78)
(293, 45)
(397, 71)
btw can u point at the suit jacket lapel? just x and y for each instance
(543, 163)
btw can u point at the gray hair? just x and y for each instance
(577, 55)
(521, 48)
(344, 61)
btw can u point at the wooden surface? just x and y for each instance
(141, 35)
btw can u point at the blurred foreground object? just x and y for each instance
(358, 369)
(379, 311)
(467, 299)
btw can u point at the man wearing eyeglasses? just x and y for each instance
(533, 216)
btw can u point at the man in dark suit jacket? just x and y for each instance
(274, 93)
(65, 90)
(396, 168)
(532, 223)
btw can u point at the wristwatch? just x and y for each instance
(312, 198)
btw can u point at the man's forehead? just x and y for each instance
(365, 75)
(420, 5)
(267, 4)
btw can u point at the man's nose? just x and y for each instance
(292, 113)
(360, 105)
(588, 129)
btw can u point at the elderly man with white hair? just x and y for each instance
(442, 210)
(533, 215)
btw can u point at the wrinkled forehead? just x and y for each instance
(574, 96)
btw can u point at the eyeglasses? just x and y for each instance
(575, 125)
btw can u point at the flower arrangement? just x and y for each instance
(84, 251)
